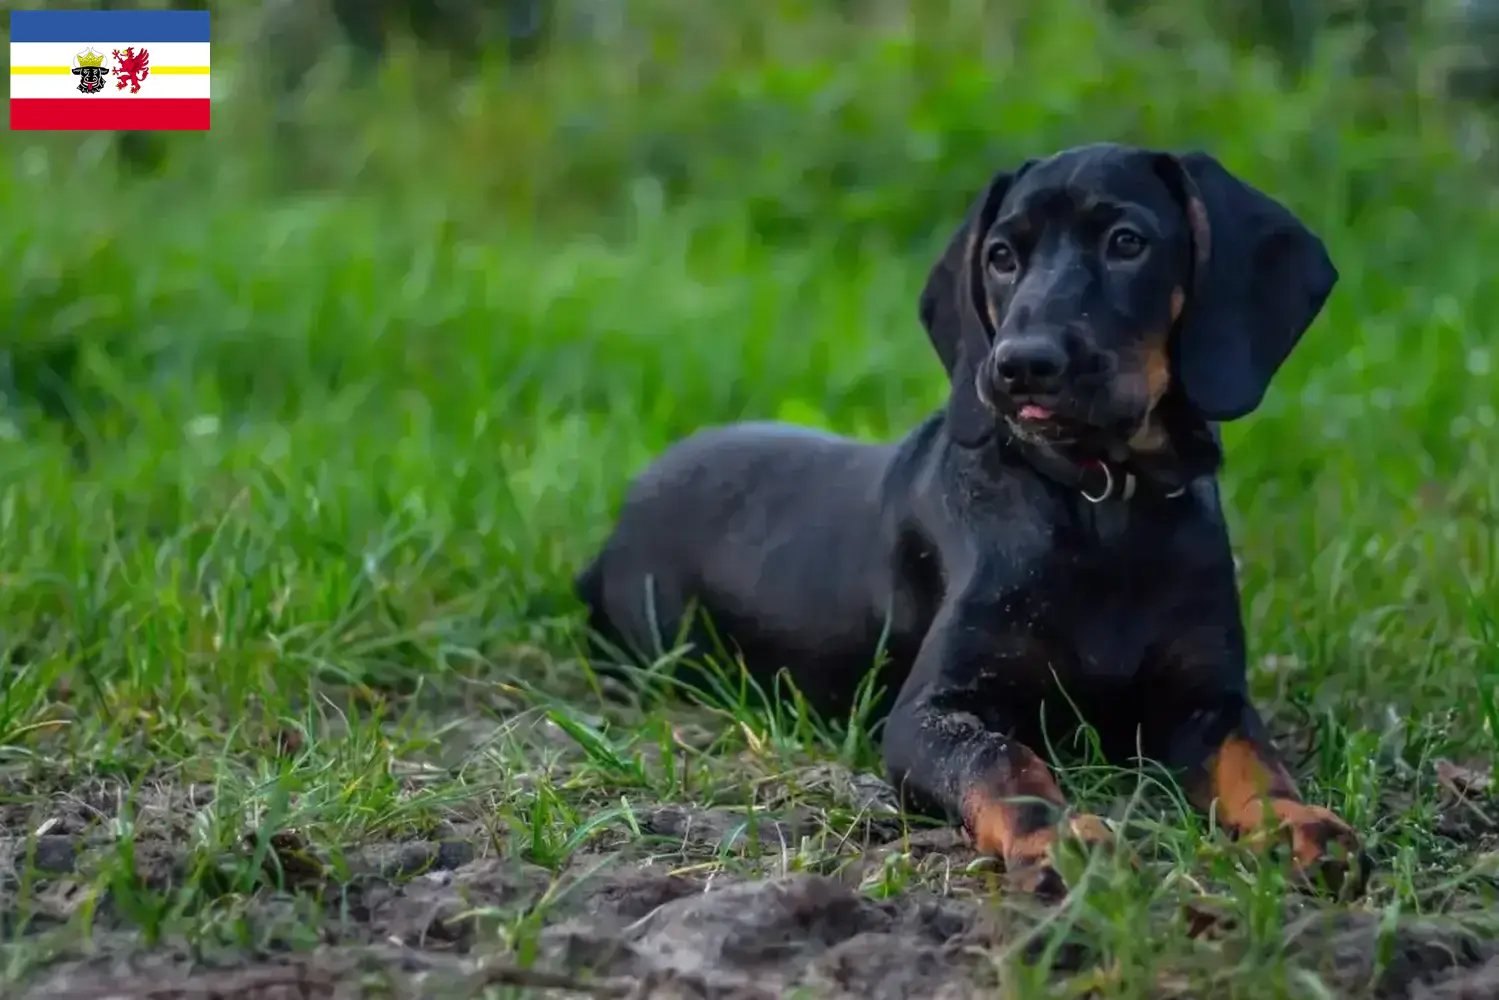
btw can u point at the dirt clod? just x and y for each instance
(748, 937)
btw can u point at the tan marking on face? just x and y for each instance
(1157, 370)
(974, 242)
(1155, 365)
(992, 311)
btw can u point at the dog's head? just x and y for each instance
(1085, 287)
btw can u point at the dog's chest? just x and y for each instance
(1092, 606)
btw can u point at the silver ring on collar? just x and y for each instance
(1108, 486)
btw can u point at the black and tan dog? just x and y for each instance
(1052, 545)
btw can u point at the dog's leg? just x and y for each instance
(948, 747)
(1230, 768)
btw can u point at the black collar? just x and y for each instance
(1121, 476)
(1099, 480)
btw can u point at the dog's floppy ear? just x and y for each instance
(956, 321)
(1260, 279)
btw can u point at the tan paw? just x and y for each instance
(1088, 829)
(1032, 866)
(1035, 878)
(1325, 850)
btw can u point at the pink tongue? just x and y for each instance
(1033, 412)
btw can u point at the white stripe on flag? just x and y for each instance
(62, 53)
(24, 86)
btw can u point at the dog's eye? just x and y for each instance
(1001, 258)
(1126, 244)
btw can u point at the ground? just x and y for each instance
(617, 890)
(308, 424)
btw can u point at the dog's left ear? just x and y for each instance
(1260, 279)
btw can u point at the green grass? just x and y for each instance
(305, 435)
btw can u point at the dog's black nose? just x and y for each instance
(1029, 365)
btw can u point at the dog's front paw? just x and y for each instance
(1038, 878)
(1089, 830)
(1325, 850)
(1032, 864)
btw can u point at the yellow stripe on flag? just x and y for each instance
(66, 70)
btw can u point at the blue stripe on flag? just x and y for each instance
(111, 27)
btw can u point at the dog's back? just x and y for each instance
(775, 532)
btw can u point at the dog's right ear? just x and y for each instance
(953, 311)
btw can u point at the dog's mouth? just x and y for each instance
(1075, 416)
(1067, 420)
(1035, 412)
(1053, 421)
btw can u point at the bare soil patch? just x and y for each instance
(456, 915)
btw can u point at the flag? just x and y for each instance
(109, 69)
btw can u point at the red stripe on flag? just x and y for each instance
(128, 114)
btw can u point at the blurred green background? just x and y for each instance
(347, 388)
